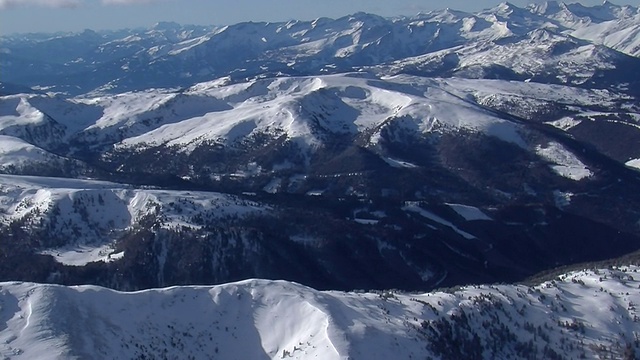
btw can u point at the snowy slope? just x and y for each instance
(83, 217)
(587, 314)
(540, 55)
(307, 109)
(21, 118)
(16, 110)
(622, 35)
(16, 152)
(614, 26)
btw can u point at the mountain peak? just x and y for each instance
(506, 9)
(607, 11)
(166, 25)
(505, 6)
(546, 7)
(364, 17)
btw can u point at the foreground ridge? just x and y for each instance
(585, 314)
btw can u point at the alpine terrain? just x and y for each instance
(411, 153)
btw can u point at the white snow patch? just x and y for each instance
(366, 221)
(115, 256)
(431, 216)
(399, 163)
(566, 163)
(469, 213)
(635, 163)
(566, 123)
(562, 199)
(82, 255)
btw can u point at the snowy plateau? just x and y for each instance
(138, 167)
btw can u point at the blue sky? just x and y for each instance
(19, 16)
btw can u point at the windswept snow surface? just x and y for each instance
(485, 90)
(585, 314)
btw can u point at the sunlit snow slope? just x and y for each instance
(588, 314)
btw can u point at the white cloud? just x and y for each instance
(8, 4)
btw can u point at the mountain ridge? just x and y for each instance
(294, 48)
(278, 319)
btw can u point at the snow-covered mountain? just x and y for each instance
(549, 42)
(589, 314)
(607, 24)
(83, 218)
(362, 152)
(307, 112)
(392, 158)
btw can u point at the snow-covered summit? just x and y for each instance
(609, 24)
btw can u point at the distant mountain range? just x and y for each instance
(550, 42)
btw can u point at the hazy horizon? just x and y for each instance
(49, 16)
